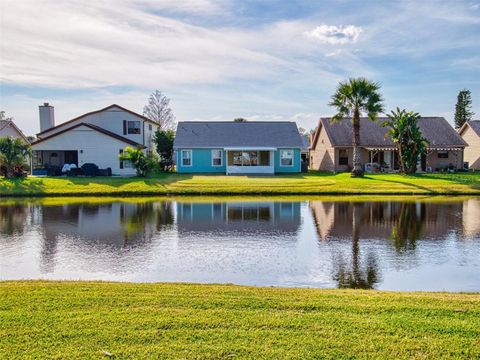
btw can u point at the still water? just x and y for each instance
(421, 244)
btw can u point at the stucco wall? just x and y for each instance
(454, 157)
(322, 156)
(92, 147)
(472, 151)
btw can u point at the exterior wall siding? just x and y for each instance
(92, 147)
(10, 131)
(297, 163)
(112, 120)
(472, 151)
(202, 162)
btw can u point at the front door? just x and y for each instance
(71, 157)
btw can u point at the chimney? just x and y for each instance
(47, 116)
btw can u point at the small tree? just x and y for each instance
(405, 132)
(164, 141)
(143, 164)
(463, 108)
(13, 157)
(158, 109)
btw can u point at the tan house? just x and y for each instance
(331, 146)
(8, 128)
(470, 132)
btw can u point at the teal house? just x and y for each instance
(235, 148)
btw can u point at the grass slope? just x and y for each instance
(84, 319)
(311, 183)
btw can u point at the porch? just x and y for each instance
(51, 162)
(250, 161)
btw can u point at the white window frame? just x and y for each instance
(191, 157)
(293, 157)
(221, 157)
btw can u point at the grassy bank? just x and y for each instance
(84, 319)
(306, 184)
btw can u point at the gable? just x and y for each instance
(80, 136)
(109, 118)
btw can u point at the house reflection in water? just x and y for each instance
(400, 223)
(96, 229)
(471, 217)
(245, 217)
(404, 221)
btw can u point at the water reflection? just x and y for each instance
(396, 245)
(257, 217)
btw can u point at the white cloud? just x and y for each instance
(331, 34)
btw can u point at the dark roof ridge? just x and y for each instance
(96, 112)
(93, 127)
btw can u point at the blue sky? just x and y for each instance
(217, 60)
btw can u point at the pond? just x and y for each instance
(394, 244)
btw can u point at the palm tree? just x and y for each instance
(351, 99)
(405, 132)
(13, 157)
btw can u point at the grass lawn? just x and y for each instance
(85, 319)
(311, 183)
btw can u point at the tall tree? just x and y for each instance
(164, 140)
(405, 132)
(351, 99)
(463, 108)
(158, 109)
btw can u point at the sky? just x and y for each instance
(223, 59)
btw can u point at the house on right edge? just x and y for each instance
(331, 146)
(470, 132)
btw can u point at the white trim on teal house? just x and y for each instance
(245, 148)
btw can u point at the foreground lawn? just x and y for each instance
(90, 320)
(311, 183)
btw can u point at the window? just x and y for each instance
(133, 127)
(125, 164)
(217, 157)
(286, 157)
(245, 158)
(186, 157)
(442, 154)
(149, 127)
(342, 157)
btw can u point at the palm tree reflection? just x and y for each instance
(358, 276)
(410, 226)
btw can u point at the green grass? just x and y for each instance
(306, 184)
(83, 319)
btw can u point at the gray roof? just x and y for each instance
(209, 134)
(436, 130)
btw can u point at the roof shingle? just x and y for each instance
(208, 134)
(436, 130)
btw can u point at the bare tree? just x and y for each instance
(158, 109)
(4, 117)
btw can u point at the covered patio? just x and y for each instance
(249, 160)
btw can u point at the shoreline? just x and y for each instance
(309, 184)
